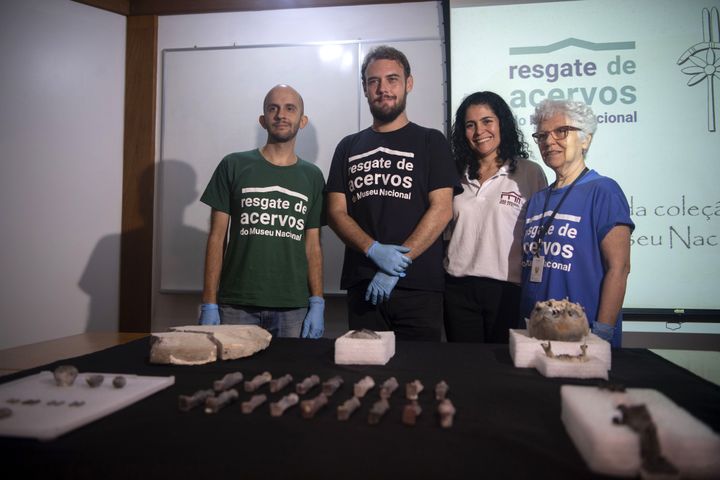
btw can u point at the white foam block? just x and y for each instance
(365, 351)
(54, 414)
(526, 350)
(588, 412)
(592, 367)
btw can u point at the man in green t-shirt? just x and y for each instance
(272, 201)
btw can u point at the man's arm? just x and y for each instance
(432, 223)
(313, 251)
(346, 228)
(219, 222)
(615, 249)
(426, 232)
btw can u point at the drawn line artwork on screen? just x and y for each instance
(707, 66)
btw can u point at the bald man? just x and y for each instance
(270, 272)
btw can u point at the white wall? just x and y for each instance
(61, 143)
(292, 26)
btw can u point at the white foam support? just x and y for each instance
(593, 367)
(526, 350)
(364, 351)
(588, 412)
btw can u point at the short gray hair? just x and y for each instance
(579, 113)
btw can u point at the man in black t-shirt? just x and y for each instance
(390, 193)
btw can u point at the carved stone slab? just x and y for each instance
(234, 341)
(180, 348)
(199, 344)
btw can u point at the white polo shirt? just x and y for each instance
(487, 226)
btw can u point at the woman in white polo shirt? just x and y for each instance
(482, 289)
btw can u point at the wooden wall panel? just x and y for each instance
(118, 6)
(178, 7)
(136, 259)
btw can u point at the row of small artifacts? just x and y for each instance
(224, 393)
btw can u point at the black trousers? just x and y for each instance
(411, 314)
(480, 309)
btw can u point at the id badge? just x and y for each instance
(536, 269)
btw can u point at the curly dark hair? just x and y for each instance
(512, 143)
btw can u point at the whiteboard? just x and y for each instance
(211, 100)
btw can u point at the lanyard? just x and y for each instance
(546, 225)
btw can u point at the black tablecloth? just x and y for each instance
(507, 423)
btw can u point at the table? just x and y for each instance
(507, 424)
(28, 356)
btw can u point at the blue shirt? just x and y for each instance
(573, 266)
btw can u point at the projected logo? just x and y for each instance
(572, 42)
(705, 59)
(598, 73)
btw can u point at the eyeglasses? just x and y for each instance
(559, 133)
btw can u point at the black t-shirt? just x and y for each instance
(386, 178)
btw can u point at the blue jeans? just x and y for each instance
(280, 322)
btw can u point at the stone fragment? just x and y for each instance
(182, 348)
(308, 408)
(254, 402)
(410, 413)
(65, 375)
(558, 320)
(233, 341)
(277, 384)
(446, 411)
(257, 382)
(279, 407)
(119, 381)
(228, 381)
(307, 384)
(388, 387)
(330, 386)
(363, 386)
(413, 389)
(377, 411)
(5, 412)
(345, 410)
(94, 381)
(441, 390)
(188, 402)
(215, 404)
(199, 344)
(364, 334)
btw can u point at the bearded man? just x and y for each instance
(270, 274)
(390, 192)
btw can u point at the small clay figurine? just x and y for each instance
(65, 375)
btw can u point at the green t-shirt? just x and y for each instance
(270, 208)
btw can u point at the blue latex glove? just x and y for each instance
(209, 314)
(314, 323)
(603, 330)
(380, 287)
(389, 258)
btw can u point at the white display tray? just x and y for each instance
(588, 412)
(45, 421)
